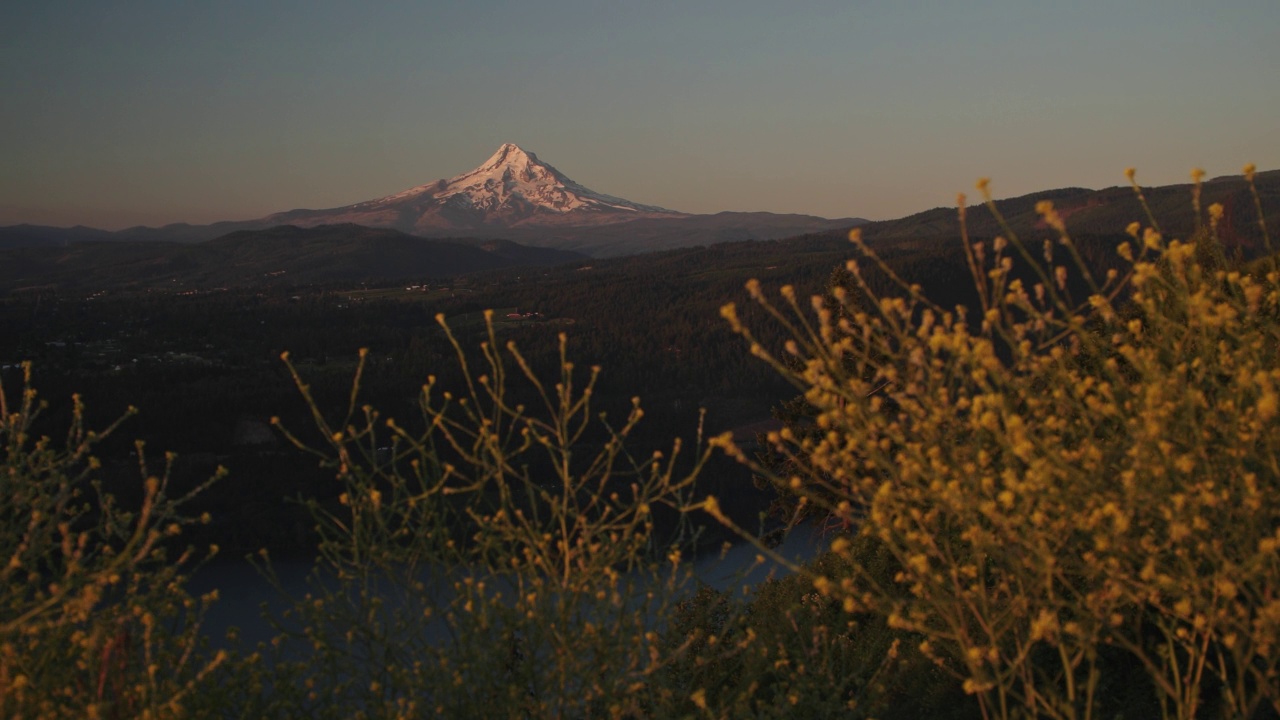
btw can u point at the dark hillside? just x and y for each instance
(16, 236)
(1104, 212)
(282, 255)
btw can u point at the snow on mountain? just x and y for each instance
(514, 196)
(512, 177)
(510, 189)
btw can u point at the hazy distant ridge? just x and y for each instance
(283, 255)
(511, 195)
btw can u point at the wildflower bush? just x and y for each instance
(94, 618)
(512, 560)
(1067, 484)
(785, 650)
(501, 561)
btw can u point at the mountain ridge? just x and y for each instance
(282, 255)
(1106, 211)
(512, 195)
(1103, 211)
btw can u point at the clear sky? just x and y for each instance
(124, 113)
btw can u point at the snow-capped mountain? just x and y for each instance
(511, 189)
(514, 196)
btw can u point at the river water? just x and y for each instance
(244, 593)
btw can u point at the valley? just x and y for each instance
(204, 367)
(192, 333)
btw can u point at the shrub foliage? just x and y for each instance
(1059, 478)
(94, 618)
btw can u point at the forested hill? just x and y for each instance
(283, 255)
(1105, 212)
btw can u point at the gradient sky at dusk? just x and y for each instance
(125, 113)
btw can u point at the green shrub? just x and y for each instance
(496, 563)
(94, 620)
(1059, 478)
(786, 650)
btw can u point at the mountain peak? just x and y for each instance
(507, 155)
(510, 153)
(511, 161)
(512, 188)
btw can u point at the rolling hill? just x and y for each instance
(283, 255)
